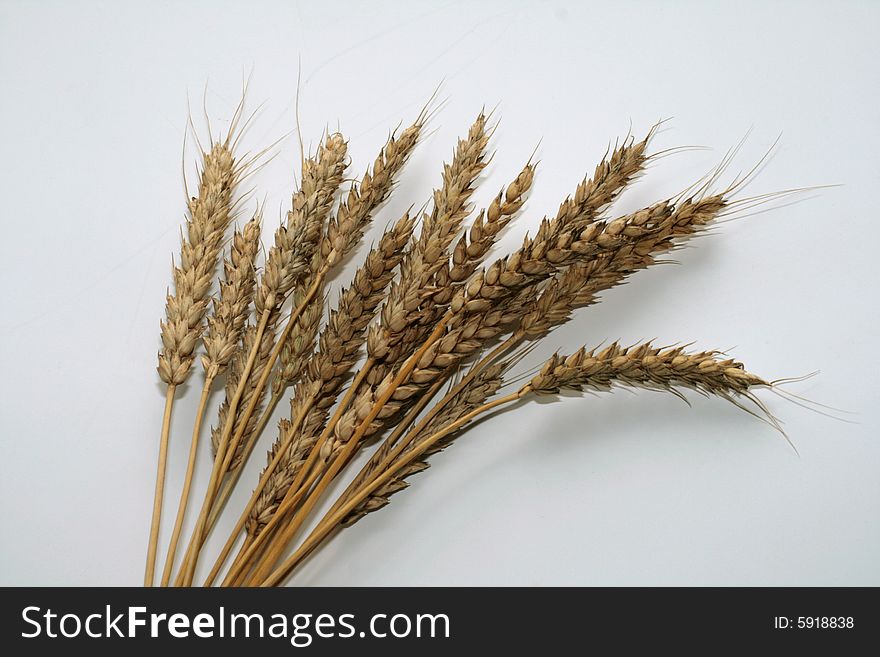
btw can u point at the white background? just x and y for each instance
(617, 489)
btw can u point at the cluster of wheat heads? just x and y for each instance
(420, 342)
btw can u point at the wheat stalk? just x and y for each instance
(209, 216)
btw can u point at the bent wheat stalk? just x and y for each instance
(640, 366)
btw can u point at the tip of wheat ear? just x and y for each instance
(290, 259)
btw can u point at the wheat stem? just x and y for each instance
(187, 482)
(160, 486)
(248, 540)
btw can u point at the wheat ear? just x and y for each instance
(209, 216)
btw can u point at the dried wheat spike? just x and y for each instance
(297, 239)
(644, 366)
(209, 216)
(300, 343)
(233, 306)
(611, 176)
(467, 255)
